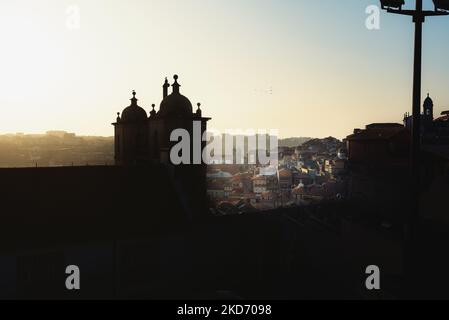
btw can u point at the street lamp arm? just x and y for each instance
(424, 13)
(435, 13)
(402, 12)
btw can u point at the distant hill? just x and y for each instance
(293, 142)
(329, 141)
(54, 149)
(327, 145)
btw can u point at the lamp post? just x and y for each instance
(419, 15)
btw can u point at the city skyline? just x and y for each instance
(271, 66)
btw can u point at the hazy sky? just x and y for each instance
(307, 68)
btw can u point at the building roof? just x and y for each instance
(376, 133)
(242, 176)
(312, 190)
(268, 171)
(219, 175)
(384, 126)
(133, 113)
(444, 117)
(299, 189)
(285, 173)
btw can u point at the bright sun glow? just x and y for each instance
(258, 64)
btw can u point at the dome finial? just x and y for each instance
(176, 85)
(199, 113)
(134, 99)
(153, 112)
(165, 88)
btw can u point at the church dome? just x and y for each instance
(175, 104)
(134, 113)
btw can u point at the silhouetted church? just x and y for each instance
(140, 139)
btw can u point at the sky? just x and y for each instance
(306, 68)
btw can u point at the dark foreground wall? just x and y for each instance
(130, 230)
(57, 205)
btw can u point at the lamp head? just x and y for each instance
(441, 5)
(392, 4)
